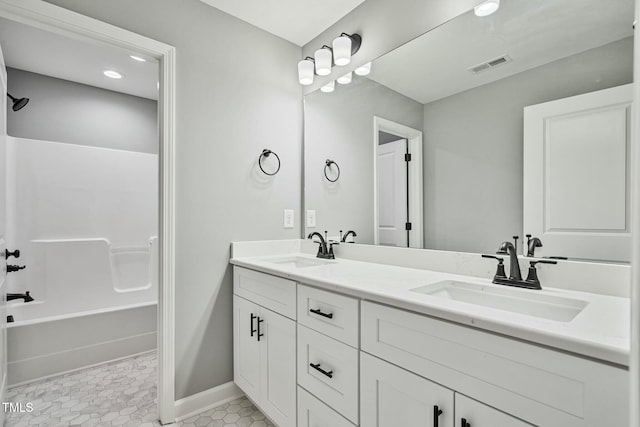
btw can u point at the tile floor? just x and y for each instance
(117, 394)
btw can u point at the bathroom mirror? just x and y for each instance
(458, 92)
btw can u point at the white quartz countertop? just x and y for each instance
(601, 330)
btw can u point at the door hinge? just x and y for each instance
(407, 226)
(407, 157)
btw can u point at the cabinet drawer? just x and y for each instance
(477, 414)
(274, 293)
(329, 313)
(338, 385)
(313, 413)
(539, 385)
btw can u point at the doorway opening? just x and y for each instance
(398, 197)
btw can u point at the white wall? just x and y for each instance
(64, 111)
(473, 147)
(237, 93)
(339, 126)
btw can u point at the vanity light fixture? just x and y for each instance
(112, 74)
(305, 71)
(487, 7)
(344, 46)
(323, 58)
(346, 79)
(329, 87)
(364, 69)
(137, 58)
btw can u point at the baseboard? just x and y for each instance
(205, 400)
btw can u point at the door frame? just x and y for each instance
(414, 136)
(55, 19)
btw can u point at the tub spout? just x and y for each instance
(26, 297)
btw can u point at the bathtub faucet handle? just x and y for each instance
(15, 253)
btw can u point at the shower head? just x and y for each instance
(18, 104)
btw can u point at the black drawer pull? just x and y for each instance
(260, 334)
(320, 313)
(436, 414)
(465, 423)
(322, 371)
(253, 317)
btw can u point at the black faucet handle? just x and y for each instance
(541, 261)
(500, 273)
(13, 268)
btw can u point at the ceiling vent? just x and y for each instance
(492, 63)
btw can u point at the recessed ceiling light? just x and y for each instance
(487, 7)
(137, 58)
(113, 74)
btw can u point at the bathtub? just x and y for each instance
(93, 303)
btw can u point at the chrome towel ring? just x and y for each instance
(327, 165)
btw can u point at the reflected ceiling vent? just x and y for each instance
(493, 63)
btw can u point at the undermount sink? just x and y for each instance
(515, 300)
(298, 261)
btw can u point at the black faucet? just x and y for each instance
(350, 232)
(508, 248)
(515, 276)
(323, 251)
(26, 297)
(532, 244)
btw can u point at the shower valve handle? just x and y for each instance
(15, 253)
(12, 268)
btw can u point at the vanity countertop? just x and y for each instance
(601, 330)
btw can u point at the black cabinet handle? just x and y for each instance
(436, 414)
(259, 333)
(322, 371)
(320, 313)
(253, 317)
(465, 423)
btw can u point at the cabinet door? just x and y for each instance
(394, 397)
(576, 175)
(278, 366)
(246, 348)
(471, 413)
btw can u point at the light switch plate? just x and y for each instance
(288, 218)
(311, 218)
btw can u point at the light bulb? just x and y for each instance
(305, 72)
(342, 50)
(322, 58)
(329, 87)
(487, 7)
(364, 69)
(346, 79)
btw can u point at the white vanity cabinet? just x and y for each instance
(541, 386)
(265, 344)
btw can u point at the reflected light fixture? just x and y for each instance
(329, 87)
(363, 70)
(346, 79)
(112, 74)
(305, 71)
(487, 7)
(323, 59)
(137, 58)
(344, 46)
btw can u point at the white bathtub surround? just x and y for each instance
(600, 331)
(52, 346)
